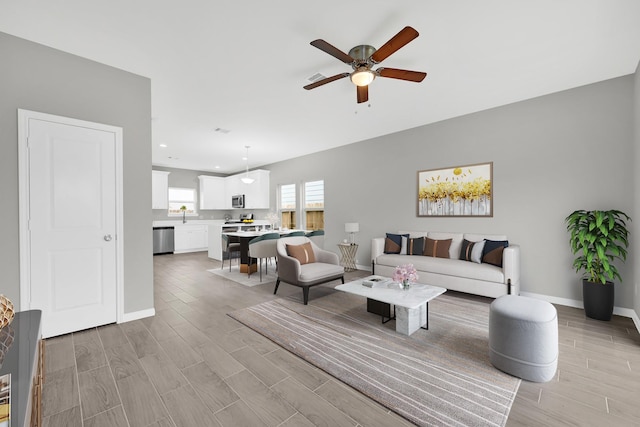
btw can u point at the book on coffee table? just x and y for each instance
(375, 281)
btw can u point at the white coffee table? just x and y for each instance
(411, 306)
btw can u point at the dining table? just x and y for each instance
(244, 237)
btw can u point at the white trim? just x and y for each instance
(636, 319)
(23, 209)
(364, 267)
(555, 300)
(620, 311)
(135, 315)
(23, 202)
(119, 136)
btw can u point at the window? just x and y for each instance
(179, 197)
(287, 206)
(314, 205)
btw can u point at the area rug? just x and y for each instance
(242, 278)
(441, 376)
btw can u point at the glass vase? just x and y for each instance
(405, 285)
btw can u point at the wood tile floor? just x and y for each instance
(192, 365)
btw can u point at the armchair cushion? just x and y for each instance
(303, 253)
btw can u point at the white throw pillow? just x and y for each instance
(476, 252)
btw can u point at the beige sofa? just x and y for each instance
(453, 273)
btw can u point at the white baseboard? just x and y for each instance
(620, 311)
(636, 320)
(135, 315)
(187, 251)
(364, 267)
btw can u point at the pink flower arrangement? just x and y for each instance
(405, 272)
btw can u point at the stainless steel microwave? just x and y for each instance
(237, 201)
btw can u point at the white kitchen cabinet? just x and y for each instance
(159, 189)
(190, 238)
(232, 185)
(213, 192)
(216, 192)
(257, 193)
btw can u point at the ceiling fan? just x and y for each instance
(363, 57)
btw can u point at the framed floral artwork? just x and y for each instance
(459, 191)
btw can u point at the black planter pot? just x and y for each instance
(598, 299)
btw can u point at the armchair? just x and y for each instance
(316, 268)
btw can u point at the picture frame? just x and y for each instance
(458, 191)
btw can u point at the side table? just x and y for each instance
(348, 259)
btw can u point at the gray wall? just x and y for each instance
(38, 78)
(551, 155)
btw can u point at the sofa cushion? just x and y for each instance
(303, 253)
(472, 251)
(393, 243)
(492, 251)
(415, 246)
(437, 248)
(474, 237)
(456, 241)
(449, 267)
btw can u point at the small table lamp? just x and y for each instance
(351, 228)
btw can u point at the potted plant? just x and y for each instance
(598, 238)
(183, 208)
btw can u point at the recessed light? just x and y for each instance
(163, 145)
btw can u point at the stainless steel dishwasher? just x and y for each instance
(163, 240)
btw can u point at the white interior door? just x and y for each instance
(72, 223)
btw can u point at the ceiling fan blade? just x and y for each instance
(396, 42)
(332, 50)
(363, 94)
(394, 73)
(325, 81)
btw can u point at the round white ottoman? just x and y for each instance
(523, 337)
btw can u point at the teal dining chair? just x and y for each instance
(317, 237)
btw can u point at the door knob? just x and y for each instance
(107, 238)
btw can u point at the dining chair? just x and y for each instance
(294, 233)
(262, 247)
(228, 248)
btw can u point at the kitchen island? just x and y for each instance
(216, 230)
(244, 238)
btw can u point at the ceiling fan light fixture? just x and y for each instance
(362, 77)
(247, 179)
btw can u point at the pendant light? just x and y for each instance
(246, 179)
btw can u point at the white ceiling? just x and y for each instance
(240, 66)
